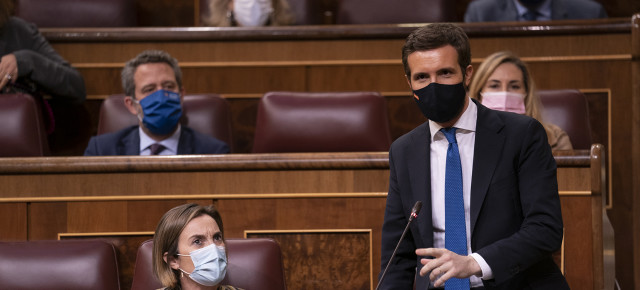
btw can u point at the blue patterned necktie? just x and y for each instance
(455, 234)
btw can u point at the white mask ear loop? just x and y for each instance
(183, 272)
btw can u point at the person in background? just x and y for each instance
(189, 250)
(249, 13)
(152, 83)
(29, 65)
(503, 82)
(532, 10)
(491, 214)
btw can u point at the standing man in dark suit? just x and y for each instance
(507, 216)
(532, 10)
(152, 82)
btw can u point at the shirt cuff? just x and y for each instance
(487, 274)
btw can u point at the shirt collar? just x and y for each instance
(467, 121)
(170, 144)
(544, 10)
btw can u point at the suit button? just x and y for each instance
(515, 269)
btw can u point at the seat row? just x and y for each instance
(122, 13)
(286, 121)
(93, 264)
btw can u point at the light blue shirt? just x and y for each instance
(544, 11)
(170, 144)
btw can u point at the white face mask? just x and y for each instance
(210, 265)
(252, 12)
(504, 101)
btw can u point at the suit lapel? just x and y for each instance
(509, 12)
(420, 178)
(488, 147)
(185, 143)
(130, 144)
(558, 10)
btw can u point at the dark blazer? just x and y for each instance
(127, 142)
(39, 62)
(516, 222)
(505, 10)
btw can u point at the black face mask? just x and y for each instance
(441, 103)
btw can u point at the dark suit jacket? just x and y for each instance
(516, 221)
(127, 142)
(39, 62)
(505, 10)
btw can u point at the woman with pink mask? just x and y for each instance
(502, 82)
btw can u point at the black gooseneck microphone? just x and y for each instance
(414, 213)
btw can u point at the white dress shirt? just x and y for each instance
(466, 138)
(170, 144)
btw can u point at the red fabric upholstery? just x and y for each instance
(75, 264)
(22, 130)
(322, 122)
(397, 11)
(569, 110)
(207, 113)
(78, 13)
(307, 12)
(253, 264)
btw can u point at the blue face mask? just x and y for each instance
(210, 265)
(162, 111)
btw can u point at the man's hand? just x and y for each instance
(446, 265)
(8, 69)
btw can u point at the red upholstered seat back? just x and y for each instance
(22, 131)
(569, 110)
(321, 122)
(74, 13)
(253, 264)
(74, 264)
(206, 113)
(396, 11)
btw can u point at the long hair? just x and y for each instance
(167, 235)
(532, 104)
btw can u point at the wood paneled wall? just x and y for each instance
(325, 209)
(241, 64)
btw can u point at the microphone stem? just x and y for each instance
(384, 273)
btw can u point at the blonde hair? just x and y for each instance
(532, 104)
(219, 9)
(167, 235)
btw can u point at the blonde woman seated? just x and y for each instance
(502, 82)
(189, 249)
(249, 13)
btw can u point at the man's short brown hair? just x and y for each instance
(434, 36)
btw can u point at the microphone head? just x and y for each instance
(415, 210)
(416, 207)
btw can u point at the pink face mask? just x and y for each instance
(504, 101)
